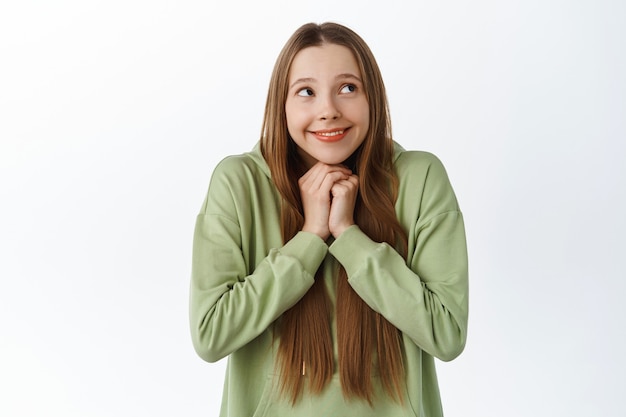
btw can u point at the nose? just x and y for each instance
(329, 109)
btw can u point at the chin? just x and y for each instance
(333, 160)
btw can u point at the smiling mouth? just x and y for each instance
(330, 135)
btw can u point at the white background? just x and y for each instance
(114, 113)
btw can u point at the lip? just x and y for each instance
(328, 135)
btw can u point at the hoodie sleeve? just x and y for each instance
(425, 295)
(232, 301)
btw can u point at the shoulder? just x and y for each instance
(236, 171)
(233, 179)
(423, 181)
(410, 157)
(234, 165)
(419, 165)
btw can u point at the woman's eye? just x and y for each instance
(348, 88)
(305, 92)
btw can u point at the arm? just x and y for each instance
(425, 295)
(231, 301)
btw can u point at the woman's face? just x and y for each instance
(326, 108)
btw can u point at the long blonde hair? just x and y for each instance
(304, 330)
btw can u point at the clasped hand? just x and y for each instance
(328, 195)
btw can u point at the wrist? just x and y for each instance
(337, 231)
(322, 233)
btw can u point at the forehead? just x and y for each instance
(326, 60)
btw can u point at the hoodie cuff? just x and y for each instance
(352, 248)
(308, 248)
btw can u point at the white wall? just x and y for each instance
(113, 114)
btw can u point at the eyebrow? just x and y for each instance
(344, 76)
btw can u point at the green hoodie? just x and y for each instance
(244, 278)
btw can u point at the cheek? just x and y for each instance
(362, 114)
(290, 119)
(296, 121)
(291, 125)
(366, 112)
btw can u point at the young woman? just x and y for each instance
(329, 264)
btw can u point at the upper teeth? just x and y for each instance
(337, 132)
